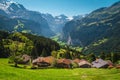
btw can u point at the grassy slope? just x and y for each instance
(8, 72)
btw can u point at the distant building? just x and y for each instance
(25, 59)
(100, 63)
(76, 61)
(84, 64)
(43, 61)
(64, 63)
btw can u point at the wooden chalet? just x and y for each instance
(76, 61)
(100, 63)
(43, 61)
(64, 63)
(84, 64)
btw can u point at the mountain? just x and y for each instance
(28, 25)
(97, 32)
(56, 23)
(15, 10)
(78, 17)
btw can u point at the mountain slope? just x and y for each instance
(9, 25)
(97, 26)
(16, 10)
(38, 44)
(56, 23)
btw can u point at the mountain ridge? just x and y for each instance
(16, 10)
(100, 24)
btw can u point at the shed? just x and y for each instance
(25, 59)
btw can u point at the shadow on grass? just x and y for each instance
(19, 66)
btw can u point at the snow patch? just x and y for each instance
(59, 17)
(70, 18)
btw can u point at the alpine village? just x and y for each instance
(36, 42)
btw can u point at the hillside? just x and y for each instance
(9, 24)
(101, 27)
(14, 10)
(22, 43)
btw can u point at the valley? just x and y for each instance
(36, 45)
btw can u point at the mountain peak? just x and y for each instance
(10, 5)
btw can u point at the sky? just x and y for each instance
(67, 7)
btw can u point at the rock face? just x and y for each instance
(56, 23)
(98, 31)
(15, 10)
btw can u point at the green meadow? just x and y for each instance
(8, 72)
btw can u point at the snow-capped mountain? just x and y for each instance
(56, 23)
(78, 17)
(9, 6)
(13, 9)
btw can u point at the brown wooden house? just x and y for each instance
(64, 63)
(43, 61)
(76, 61)
(84, 64)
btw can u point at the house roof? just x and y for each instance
(110, 62)
(76, 60)
(48, 59)
(65, 61)
(26, 57)
(99, 63)
(83, 62)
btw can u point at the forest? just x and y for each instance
(15, 45)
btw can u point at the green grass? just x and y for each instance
(7, 72)
(56, 38)
(100, 42)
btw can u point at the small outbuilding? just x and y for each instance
(100, 63)
(25, 59)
